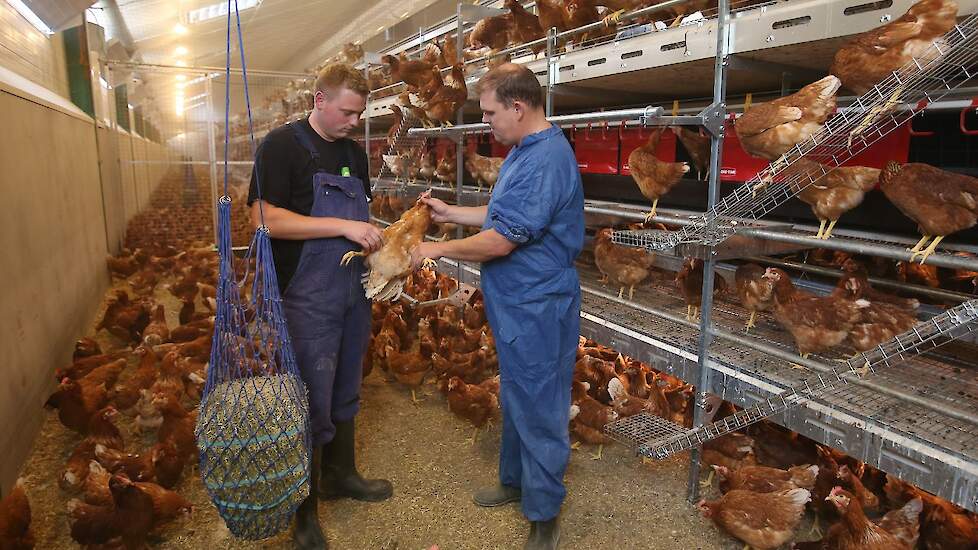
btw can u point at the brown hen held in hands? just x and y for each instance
(390, 266)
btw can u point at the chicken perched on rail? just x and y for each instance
(622, 265)
(413, 72)
(940, 202)
(485, 170)
(756, 293)
(697, 144)
(763, 520)
(526, 26)
(832, 195)
(654, 177)
(390, 266)
(769, 130)
(872, 56)
(496, 32)
(403, 165)
(816, 323)
(689, 281)
(446, 95)
(446, 171)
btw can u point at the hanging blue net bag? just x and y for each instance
(252, 428)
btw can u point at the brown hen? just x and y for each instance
(872, 56)
(769, 130)
(624, 266)
(391, 265)
(832, 195)
(654, 177)
(940, 202)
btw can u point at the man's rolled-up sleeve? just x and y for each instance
(524, 209)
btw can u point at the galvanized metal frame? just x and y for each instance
(728, 379)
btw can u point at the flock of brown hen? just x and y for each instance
(769, 477)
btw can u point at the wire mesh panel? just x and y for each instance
(170, 132)
(928, 335)
(945, 66)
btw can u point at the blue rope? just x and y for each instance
(252, 430)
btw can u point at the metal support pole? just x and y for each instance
(551, 68)
(460, 145)
(709, 268)
(209, 119)
(366, 123)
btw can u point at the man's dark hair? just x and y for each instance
(512, 82)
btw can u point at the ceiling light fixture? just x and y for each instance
(219, 9)
(181, 50)
(181, 77)
(180, 63)
(180, 29)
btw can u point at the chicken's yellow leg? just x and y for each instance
(828, 232)
(709, 479)
(631, 292)
(598, 456)
(613, 18)
(648, 218)
(821, 229)
(348, 257)
(930, 249)
(429, 263)
(919, 245)
(750, 322)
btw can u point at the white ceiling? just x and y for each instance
(279, 35)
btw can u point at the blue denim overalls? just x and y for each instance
(327, 312)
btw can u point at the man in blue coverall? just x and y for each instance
(532, 230)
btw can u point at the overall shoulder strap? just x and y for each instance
(305, 140)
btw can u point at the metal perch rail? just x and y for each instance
(945, 66)
(657, 438)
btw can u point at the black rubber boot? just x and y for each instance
(544, 535)
(340, 476)
(498, 495)
(308, 533)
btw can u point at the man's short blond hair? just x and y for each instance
(341, 75)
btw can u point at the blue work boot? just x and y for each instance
(340, 478)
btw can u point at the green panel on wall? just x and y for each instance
(79, 69)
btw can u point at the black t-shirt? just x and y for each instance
(285, 170)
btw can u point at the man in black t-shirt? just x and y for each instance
(310, 187)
